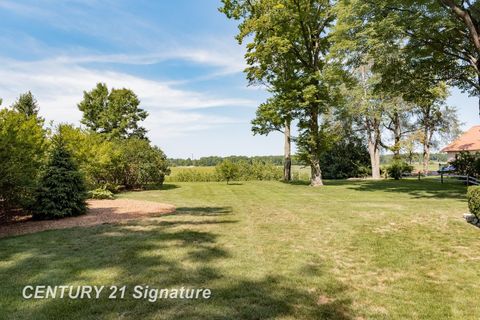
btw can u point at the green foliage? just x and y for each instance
(259, 170)
(467, 163)
(26, 104)
(398, 168)
(131, 163)
(137, 164)
(247, 170)
(61, 191)
(346, 158)
(227, 170)
(473, 197)
(287, 49)
(214, 160)
(199, 174)
(22, 151)
(100, 193)
(93, 154)
(114, 113)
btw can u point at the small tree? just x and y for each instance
(61, 192)
(227, 170)
(26, 104)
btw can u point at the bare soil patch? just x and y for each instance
(99, 212)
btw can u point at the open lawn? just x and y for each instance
(349, 250)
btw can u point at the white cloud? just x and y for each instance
(58, 85)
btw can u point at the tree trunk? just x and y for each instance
(316, 178)
(316, 172)
(426, 158)
(374, 143)
(287, 165)
(397, 133)
(426, 151)
(374, 152)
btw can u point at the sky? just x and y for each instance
(180, 57)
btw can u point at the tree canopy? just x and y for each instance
(114, 112)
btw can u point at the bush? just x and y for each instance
(61, 190)
(138, 164)
(101, 193)
(130, 163)
(473, 197)
(466, 163)
(345, 158)
(398, 168)
(22, 153)
(227, 170)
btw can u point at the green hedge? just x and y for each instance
(473, 196)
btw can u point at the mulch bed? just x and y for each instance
(99, 212)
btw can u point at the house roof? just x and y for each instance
(469, 141)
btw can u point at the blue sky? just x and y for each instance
(180, 57)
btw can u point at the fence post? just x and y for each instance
(468, 180)
(441, 177)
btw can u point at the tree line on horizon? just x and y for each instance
(374, 70)
(278, 160)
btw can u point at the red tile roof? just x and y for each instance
(469, 141)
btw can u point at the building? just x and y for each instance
(468, 142)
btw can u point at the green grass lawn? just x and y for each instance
(267, 250)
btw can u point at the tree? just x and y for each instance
(94, 155)
(276, 115)
(131, 163)
(137, 164)
(61, 191)
(227, 170)
(367, 111)
(22, 149)
(344, 154)
(440, 37)
(434, 118)
(26, 104)
(114, 113)
(293, 33)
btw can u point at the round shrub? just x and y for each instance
(473, 197)
(100, 193)
(398, 168)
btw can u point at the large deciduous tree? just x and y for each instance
(293, 34)
(367, 112)
(115, 112)
(440, 37)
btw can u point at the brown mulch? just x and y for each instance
(99, 212)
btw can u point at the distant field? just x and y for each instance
(298, 172)
(301, 173)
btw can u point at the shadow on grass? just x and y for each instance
(160, 254)
(164, 186)
(427, 188)
(202, 211)
(298, 182)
